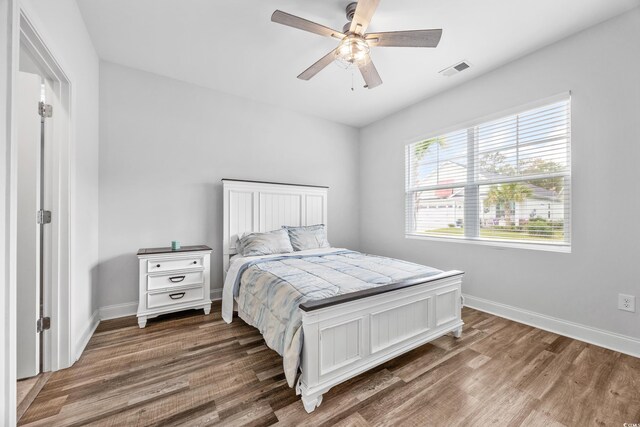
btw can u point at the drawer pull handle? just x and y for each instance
(195, 262)
(157, 265)
(176, 295)
(176, 279)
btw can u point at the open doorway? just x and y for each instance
(40, 171)
(58, 351)
(34, 111)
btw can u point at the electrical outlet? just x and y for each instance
(627, 303)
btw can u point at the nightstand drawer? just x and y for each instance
(158, 265)
(174, 279)
(174, 297)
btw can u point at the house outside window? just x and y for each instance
(503, 181)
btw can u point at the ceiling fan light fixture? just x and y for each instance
(352, 51)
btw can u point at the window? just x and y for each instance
(506, 180)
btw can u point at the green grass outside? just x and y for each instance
(498, 234)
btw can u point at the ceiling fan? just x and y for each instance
(355, 44)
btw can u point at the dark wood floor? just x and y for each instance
(27, 390)
(191, 369)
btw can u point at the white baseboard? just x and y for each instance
(87, 334)
(118, 310)
(216, 294)
(131, 308)
(599, 337)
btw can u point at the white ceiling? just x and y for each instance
(232, 46)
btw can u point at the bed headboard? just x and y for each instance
(251, 206)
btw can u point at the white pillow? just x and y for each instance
(308, 237)
(272, 242)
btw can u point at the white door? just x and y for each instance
(28, 232)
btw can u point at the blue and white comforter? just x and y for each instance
(270, 288)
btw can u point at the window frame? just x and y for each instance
(472, 186)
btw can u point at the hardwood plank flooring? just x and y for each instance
(27, 390)
(188, 369)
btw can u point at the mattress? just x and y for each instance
(269, 290)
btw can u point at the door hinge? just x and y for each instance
(45, 110)
(43, 324)
(43, 217)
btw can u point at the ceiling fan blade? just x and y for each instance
(370, 74)
(318, 66)
(285, 18)
(415, 38)
(362, 17)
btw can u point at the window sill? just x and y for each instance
(498, 244)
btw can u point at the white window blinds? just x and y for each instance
(505, 180)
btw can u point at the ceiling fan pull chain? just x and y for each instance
(352, 89)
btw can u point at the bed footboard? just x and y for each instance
(350, 334)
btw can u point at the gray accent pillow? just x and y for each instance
(238, 244)
(272, 242)
(308, 237)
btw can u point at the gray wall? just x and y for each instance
(8, 290)
(601, 66)
(166, 144)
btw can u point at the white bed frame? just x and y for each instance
(345, 335)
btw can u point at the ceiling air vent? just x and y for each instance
(455, 69)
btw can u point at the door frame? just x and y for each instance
(58, 353)
(57, 347)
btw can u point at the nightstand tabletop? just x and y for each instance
(168, 250)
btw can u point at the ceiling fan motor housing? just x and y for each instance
(351, 11)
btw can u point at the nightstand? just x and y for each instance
(173, 280)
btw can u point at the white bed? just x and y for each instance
(348, 334)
